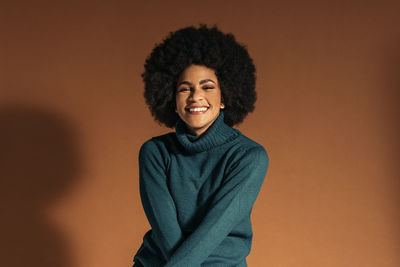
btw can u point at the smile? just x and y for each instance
(197, 110)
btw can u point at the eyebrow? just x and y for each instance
(206, 81)
(201, 82)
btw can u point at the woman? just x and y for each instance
(198, 184)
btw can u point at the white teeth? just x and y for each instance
(197, 109)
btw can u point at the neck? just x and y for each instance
(217, 134)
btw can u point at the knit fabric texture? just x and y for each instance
(198, 193)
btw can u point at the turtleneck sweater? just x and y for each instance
(198, 193)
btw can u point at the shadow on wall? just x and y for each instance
(38, 164)
(390, 118)
(397, 118)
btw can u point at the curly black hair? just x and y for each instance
(200, 46)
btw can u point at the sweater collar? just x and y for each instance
(217, 134)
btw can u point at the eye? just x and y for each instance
(208, 87)
(183, 89)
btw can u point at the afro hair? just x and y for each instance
(200, 46)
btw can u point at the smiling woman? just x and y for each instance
(198, 98)
(199, 183)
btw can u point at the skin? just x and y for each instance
(198, 87)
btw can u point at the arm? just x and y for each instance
(157, 201)
(232, 203)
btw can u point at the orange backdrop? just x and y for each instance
(73, 117)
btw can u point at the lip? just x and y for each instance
(187, 109)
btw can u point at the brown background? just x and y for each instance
(72, 119)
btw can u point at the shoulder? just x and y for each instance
(157, 148)
(246, 153)
(246, 147)
(248, 161)
(157, 143)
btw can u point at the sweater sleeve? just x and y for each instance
(156, 200)
(232, 203)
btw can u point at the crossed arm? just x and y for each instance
(231, 204)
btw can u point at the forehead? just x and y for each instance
(195, 73)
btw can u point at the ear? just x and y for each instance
(222, 106)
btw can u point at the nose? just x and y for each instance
(197, 95)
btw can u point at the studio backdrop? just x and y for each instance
(73, 117)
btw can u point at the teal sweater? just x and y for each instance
(198, 193)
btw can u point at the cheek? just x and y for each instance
(218, 99)
(179, 103)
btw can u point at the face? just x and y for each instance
(198, 98)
